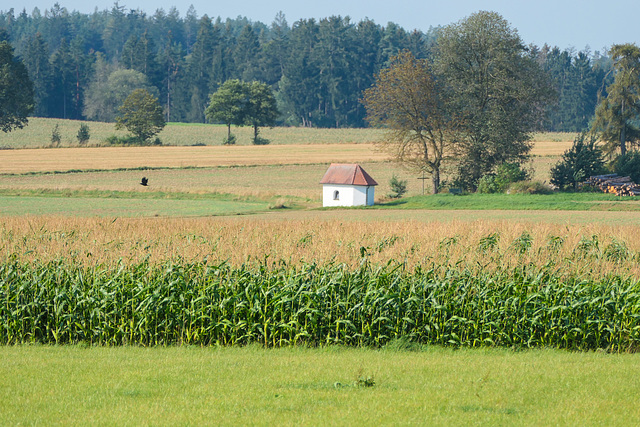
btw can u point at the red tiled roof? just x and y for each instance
(347, 174)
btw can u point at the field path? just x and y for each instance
(105, 158)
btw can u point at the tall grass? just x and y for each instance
(281, 305)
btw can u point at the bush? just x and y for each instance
(83, 134)
(129, 140)
(260, 141)
(55, 136)
(628, 165)
(504, 176)
(398, 187)
(529, 187)
(488, 184)
(230, 140)
(582, 160)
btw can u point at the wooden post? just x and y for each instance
(423, 178)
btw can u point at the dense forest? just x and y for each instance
(83, 65)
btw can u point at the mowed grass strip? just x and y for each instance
(126, 206)
(105, 158)
(51, 385)
(553, 201)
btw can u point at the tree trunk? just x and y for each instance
(255, 133)
(435, 180)
(623, 133)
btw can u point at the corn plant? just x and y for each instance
(197, 303)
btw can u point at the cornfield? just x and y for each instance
(592, 249)
(233, 282)
(280, 305)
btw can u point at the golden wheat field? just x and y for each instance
(587, 248)
(105, 158)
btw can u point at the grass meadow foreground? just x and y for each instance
(73, 385)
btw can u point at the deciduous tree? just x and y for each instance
(261, 108)
(407, 101)
(228, 105)
(16, 90)
(141, 114)
(104, 96)
(497, 88)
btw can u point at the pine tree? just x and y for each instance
(36, 60)
(617, 114)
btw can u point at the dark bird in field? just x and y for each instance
(145, 181)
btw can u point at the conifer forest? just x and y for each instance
(317, 69)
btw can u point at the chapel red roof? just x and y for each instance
(347, 174)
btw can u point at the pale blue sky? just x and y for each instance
(566, 24)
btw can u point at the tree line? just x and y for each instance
(83, 66)
(472, 106)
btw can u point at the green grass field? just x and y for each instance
(38, 134)
(548, 202)
(126, 206)
(300, 386)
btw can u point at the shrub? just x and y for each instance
(230, 140)
(260, 141)
(488, 184)
(83, 134)
(55, 136)
(123, 140)
(529, 187)
(628, 165)
(504, 176)
(398, 187)
(582, 160)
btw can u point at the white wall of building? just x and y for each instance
(347, 195)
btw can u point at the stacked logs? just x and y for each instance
(614, 184)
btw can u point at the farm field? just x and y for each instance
(127, 206)
(72, 385)
(152, 266)
(294, 239)
(105, 158)
(38, 135)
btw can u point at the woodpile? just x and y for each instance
(614, 184)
